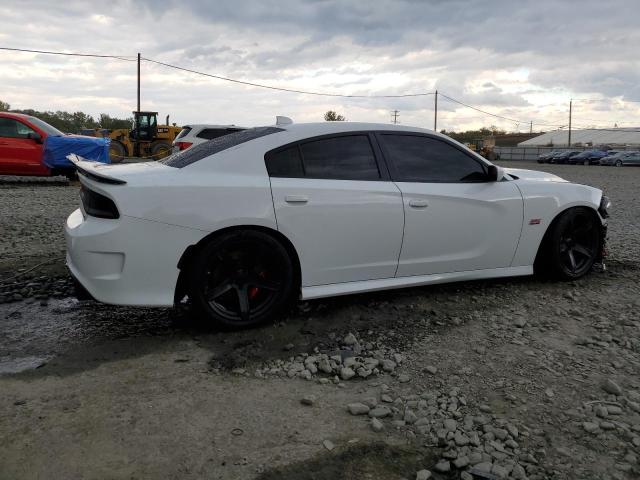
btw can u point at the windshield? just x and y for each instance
(48, 129)
(206, 149)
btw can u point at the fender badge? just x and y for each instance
(535, 221)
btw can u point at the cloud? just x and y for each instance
(522, 61)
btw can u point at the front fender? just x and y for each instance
(543, 203)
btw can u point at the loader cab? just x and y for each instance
(147, 123)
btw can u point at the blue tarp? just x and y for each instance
(56, 150)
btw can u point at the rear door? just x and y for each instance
(19, 154)
(455, 219)
(334, 200)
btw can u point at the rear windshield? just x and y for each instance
(191, 155)
(183, 132)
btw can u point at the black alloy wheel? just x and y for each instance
(572, 245)
(241, 279)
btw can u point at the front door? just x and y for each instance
(338, 207)
(20, 153)
(455, 219)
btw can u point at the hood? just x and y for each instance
(521, 174)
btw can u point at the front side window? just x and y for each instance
(430, 160)
(348, 157)
(10, 128)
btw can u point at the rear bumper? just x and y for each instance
(128, 261)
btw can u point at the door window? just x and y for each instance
(285, 163)
(348, 157)
(430, 160)
(211, 133)
(11, 128)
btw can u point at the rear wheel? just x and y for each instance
(241, 279)
(571, 246)
(587, 162)
(618, 163)
(117, 151)
(160, 150)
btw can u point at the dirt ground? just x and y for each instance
(519, 378)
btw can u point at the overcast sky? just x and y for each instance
(522, 60)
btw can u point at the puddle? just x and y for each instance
(372, 462)
(17, 365)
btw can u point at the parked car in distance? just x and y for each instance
(195, 134)
(588, 157)
(610, 153)
(241, 225)
(545, 157)
(622, 158)
(27, 147)
(21, 144)
(563, 157)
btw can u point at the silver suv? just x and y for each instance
(195, 134)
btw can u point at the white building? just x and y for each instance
(587, 137)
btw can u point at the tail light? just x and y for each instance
(183, 145)
(97, 205)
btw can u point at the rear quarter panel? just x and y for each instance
(229, 189)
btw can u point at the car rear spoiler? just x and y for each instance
(88, 169)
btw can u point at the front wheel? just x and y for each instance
(587, 163)
(618, 163)
(241, 279)
(571, 246)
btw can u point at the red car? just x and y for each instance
(21, 144)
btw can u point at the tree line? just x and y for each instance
(72, 122)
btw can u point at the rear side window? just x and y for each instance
(183, 132)
(285, 163)
(211, 133)
(430, 160)
(347, 157)
(191, 155)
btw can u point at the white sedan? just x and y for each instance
(243, 224)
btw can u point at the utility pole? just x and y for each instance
(531, 128)
(137, 116)
(394, 114)
(435, 114)
(570, 108)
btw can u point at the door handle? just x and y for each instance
(418, 203)
(296, 199)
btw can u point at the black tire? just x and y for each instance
(241, 279)
(571, 245)
(117, 151)
(160, 150)
(586, 163)
(618, 163)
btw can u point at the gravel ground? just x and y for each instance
(499, 379)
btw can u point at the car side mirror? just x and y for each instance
(495, 174)
(36, 137)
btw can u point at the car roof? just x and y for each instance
(209, 125)
(320, 128)
(12, 114)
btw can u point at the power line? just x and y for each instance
(496, 115)
(282, 89)
(49, 52)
